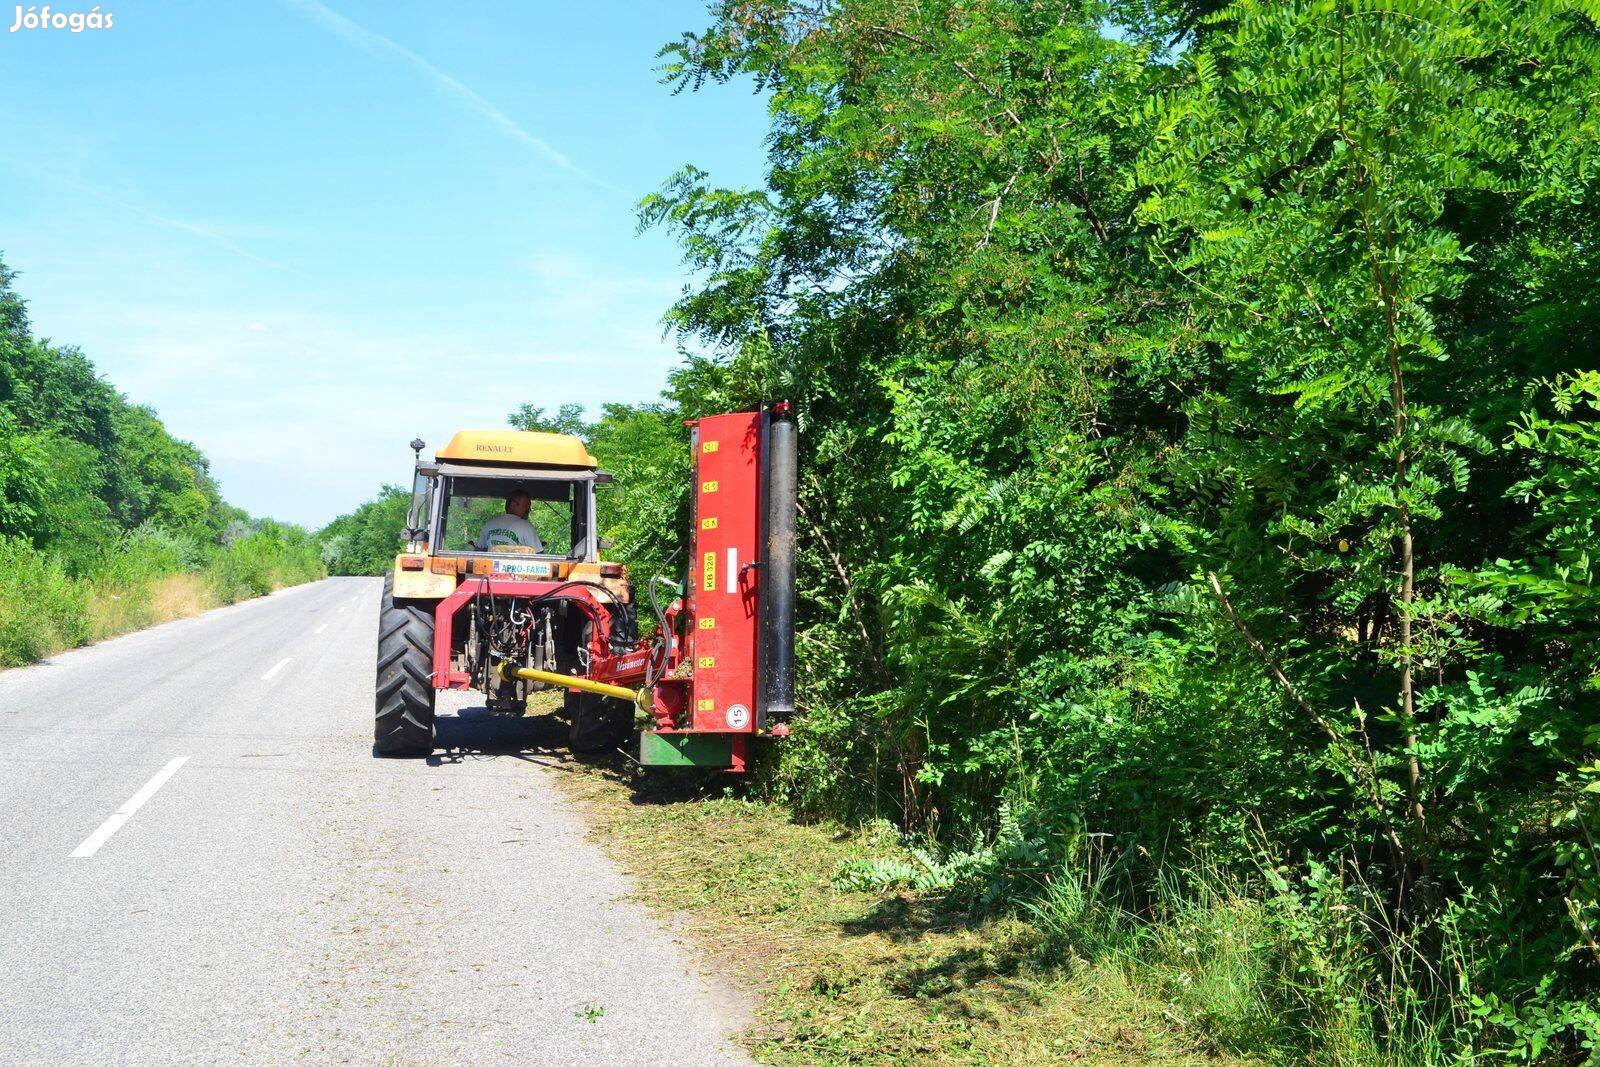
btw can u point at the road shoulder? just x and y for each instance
(855, 977)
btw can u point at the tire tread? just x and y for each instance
(403, 702)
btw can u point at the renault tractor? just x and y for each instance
(467, 608)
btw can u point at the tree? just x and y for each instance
(568, 419)
(1155, 363)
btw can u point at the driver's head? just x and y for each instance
(518, 504)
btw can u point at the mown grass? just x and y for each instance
(844, 976)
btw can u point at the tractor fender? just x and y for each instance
(422, 585)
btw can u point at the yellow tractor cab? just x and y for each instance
(470, 486)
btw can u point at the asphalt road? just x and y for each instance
(277, 894)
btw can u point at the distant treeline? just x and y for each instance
(108, 522)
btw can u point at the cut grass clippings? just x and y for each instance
(858, 977)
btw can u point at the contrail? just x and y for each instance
(201, 232)
(204, 233)
(362, 37)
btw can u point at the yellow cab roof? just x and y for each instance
(518, 447)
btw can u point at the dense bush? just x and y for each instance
(270, 557)
(42, 609)
(1198, 405)
(366, 540)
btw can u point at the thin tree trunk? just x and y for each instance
(1388, 292)
(1408, 577)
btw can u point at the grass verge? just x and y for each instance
(844, 976)
(45, 609)
(120, 610)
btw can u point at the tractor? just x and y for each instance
(465, 609)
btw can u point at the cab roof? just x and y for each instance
(517, 447)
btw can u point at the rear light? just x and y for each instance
(411, 563)
(611, 570)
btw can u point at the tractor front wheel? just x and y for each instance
(599, 723)
(404, 704)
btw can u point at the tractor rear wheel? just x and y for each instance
(404, 702)
(599, 723)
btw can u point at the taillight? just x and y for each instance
(411, 563)
(611, 570)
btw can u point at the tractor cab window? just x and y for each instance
(558, 512)
(421, 505)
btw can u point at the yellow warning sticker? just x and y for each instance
(706, 662)
(708, 487)
(709, 446)
(708, 624)
(705, 704)
(709, 584)
(709, 523)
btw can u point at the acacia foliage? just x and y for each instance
(1198, 410)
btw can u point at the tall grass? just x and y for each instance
(1301, 969)
(42, 609)
(149, 576)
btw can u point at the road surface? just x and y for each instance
(204, 863)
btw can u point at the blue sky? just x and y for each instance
(305, 232)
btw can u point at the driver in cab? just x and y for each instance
(512, 529)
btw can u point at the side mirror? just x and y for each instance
(604, 477)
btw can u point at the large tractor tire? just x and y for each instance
(404, 703)
(599, 724)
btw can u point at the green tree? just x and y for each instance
(1154, 362)
(568, 419)
(367, 539)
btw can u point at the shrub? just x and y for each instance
(262, 561)
(42, 609)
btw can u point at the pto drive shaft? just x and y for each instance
(640, 699)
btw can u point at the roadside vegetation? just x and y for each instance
(367, 539)
(108, 523)
(1199, 487)
(846, 973)
(1200, 472)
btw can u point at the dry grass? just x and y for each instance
(115, 610)
(180, 596)
(854, 977)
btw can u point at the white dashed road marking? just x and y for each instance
(92, 843)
